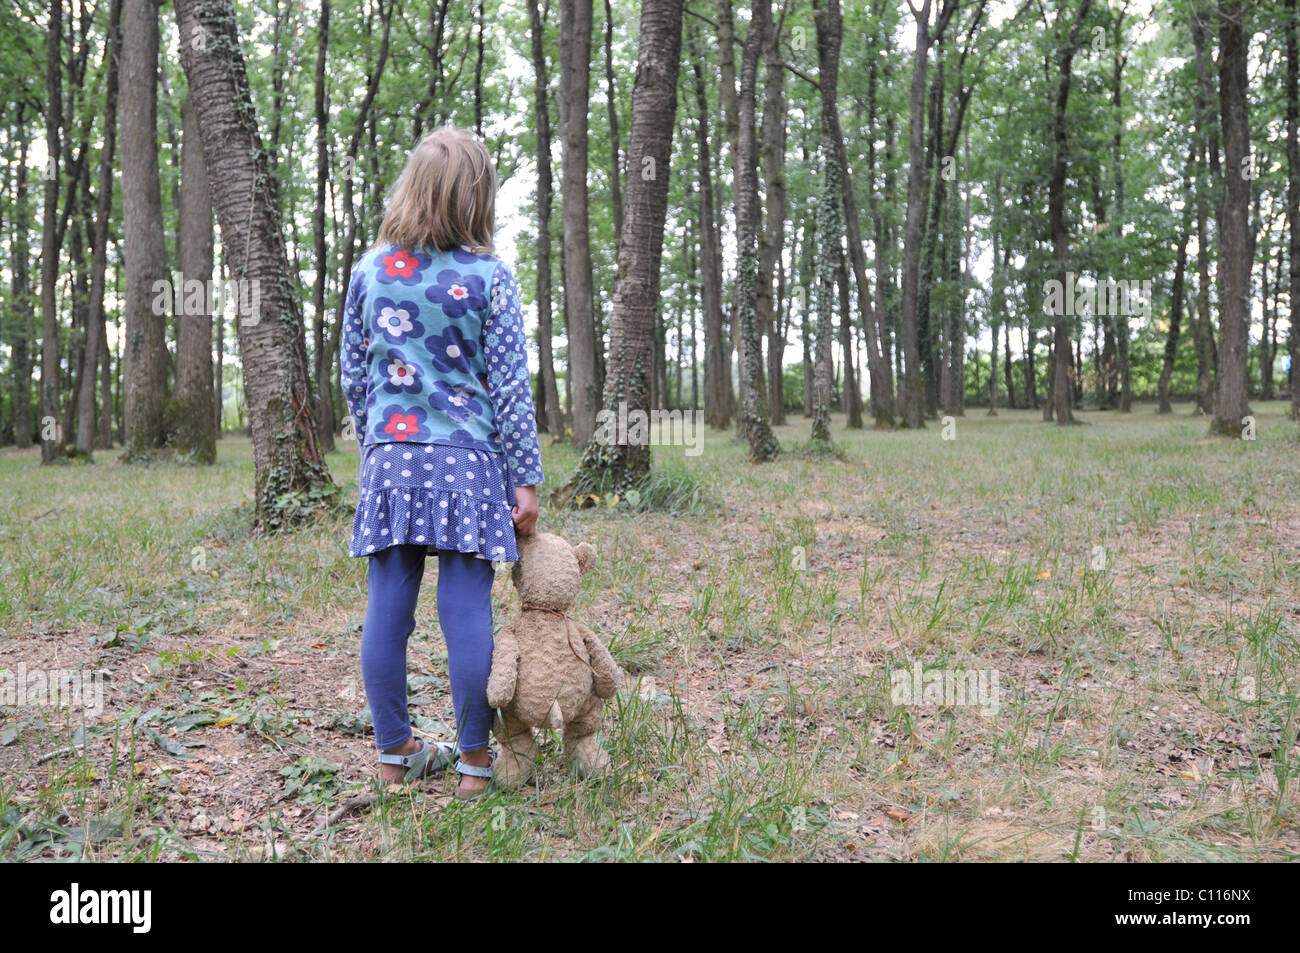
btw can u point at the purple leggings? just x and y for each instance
(465, 615)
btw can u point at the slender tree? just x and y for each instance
(772, 156)
(52, 444)
(830, 26)
(1061, 368)
(1230, 404)
(96, 349)
(575, 89)
(322, 368)
(762, 444)
(717, 363)
(193, 435)
(1293, 194)
(550, 412)
(144, 374)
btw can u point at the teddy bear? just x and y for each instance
(549, 670)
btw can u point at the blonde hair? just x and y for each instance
(445, 196)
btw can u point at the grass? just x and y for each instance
(1133, 586)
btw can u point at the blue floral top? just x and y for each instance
(433, 352)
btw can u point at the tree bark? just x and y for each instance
(193, 436)
(912, 387)
(1207, 138)
(621, 462)
(144, 374)
(717, 361)
(1230, 404)
(830, 28)
(550, 410)
(772, 154)
(1062, 385)
(52, 444)
(21, 329)
(575, 72)
(611, 106)
(96, 339)
(1293, 194)
(754, 424)
(290, 473)
(1175, 317)
(322, 368)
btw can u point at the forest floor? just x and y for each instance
(1128, 591)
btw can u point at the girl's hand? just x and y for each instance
(524, 512)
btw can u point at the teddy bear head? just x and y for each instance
(549, 571)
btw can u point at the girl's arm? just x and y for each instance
(352, 356)
(509, 386)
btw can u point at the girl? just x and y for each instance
(436, 377)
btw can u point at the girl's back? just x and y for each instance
(435, 353)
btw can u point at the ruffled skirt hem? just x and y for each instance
(438, 519)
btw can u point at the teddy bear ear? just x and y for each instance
(586, 554)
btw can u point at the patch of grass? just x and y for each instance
(1129, 582)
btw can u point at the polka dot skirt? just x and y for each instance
(443, 497)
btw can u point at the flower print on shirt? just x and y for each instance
(456, 401)
(401, 267)
(405, 423)
(451, 350)
(464, 256)
(398, 319)
(402, 377)
(458, 293)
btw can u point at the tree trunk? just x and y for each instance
(1207, 139)
(1293, 195)
(21, 329)
(611, 105)
(1006, 365)
(1061, 377)
(772, 237)
(575, 72)
(1230, 404)
(717, 361)
(614, 460)
(193, 436)
(52, 443)
(96, 339)
(322, 369)
(1175, 318)
(754, 425)
(882, 404)
(290, 473)
(912, 395)
(145, 353)
(550, 410)
(830, 28)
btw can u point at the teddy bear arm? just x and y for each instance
(605, 669)
(505, 669)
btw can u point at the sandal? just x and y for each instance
(430, 758)
(476, 771)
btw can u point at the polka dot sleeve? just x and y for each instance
(508, 382)
(352, 355)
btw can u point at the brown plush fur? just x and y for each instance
(547, 669)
